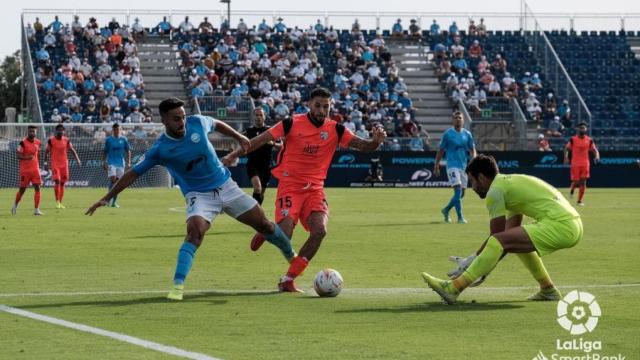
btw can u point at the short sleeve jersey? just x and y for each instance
(261, 158)
(27, 147)
(115, 148)
(530, 196)
(58, 149)
(580, 148)
(308, 149)
(456, 146)
(191, 160)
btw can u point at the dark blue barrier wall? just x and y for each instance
(616, 169)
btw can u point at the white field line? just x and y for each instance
(355, 291)
(110, 334)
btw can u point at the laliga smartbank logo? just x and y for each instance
(578, 313)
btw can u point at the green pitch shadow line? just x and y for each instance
(181, 236)
(436, 307)
(215, 298)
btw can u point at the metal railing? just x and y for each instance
(343, 19)
(31, 98)
(234, 110)
(520, 124)
(554, 70)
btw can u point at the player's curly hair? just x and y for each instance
(483, 164)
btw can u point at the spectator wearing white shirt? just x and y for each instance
(186, 27)
(362, 132)
(137, 30)
(49, 40)
(56, 117)
(348, 124)
(310, 78)
(136, 116)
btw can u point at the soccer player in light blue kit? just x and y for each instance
(184, 149)
(458, 146)
(115, 148)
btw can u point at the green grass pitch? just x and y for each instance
(112, 271)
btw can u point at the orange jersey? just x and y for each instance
(308, 149)
(580, 148)
(27, 147)
(58, 149)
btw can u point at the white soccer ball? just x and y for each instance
(328, 283)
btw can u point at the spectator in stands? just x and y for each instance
(113, 25)
(494, 88)
(543, 143)
(395, 145)
(555, 127)
(38, 27)
(55, 25)
(205, 27)
(135, 117)
(536, 83)
(499, 65)
(137, 30)
(414, 29)
(362, 132)
(550, 105)
(408, 127)
(164, 27)
(533, 108)
(55, 117)
(31, 33)
(50, 40)
(280, 27)
(459, 65)
(263, 28)
(416, 143)
(396, 29)
(186, 27)
(473, 29)
(482, 28)
(475, 50)
(564, 111)
(453, 29)
(434, 30)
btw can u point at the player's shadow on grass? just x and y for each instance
(211, 297)
(181, 236)
(437, 307)
(417, 223)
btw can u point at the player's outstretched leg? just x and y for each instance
(449, 290)
(317, 225)
(533, 263)
(197, 226)
(267, 230)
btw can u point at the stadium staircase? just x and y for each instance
(433, 109)
(159, 68)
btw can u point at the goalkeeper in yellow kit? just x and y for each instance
(508, 198)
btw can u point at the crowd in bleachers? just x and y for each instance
(479, 68)
(88, 73)
(278, 66)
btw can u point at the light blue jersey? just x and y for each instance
(456, 146)
(115, 148)
(191, 160)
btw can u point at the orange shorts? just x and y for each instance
(297, 202)
(579, 172)
(30, 177)
(60, 174)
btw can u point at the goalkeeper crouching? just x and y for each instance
(508, 198)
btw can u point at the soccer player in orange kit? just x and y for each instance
(57, 148)
(580, 145)
(310, 140)
(27, 153)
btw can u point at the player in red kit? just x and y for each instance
(580, 146)
(57, 148)
(310, 140)
(27, 153)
